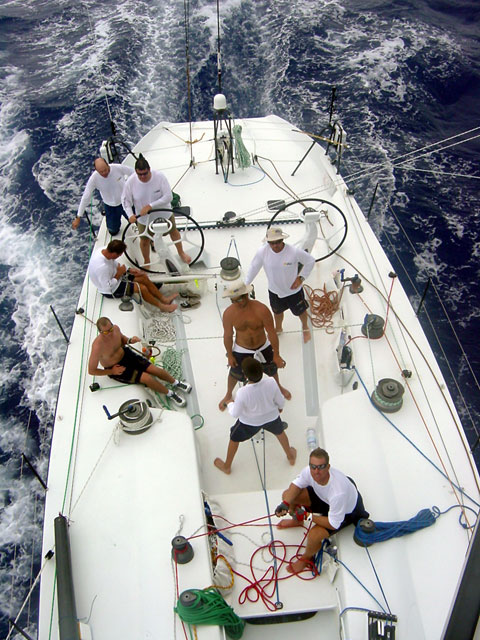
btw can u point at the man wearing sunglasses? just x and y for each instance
(146, 190)
(325, 496)
(286, 267)
(124, 364)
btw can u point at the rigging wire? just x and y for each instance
(445, 312)
(414, 155)
(186, 6)
(219, 53)
(99, 71)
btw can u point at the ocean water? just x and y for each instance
(407, 75)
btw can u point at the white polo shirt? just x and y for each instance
(339, 493)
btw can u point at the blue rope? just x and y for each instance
(413, 444)
(387, 530)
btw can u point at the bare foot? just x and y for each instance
(285, 392)
(286, 523)
(298, 566)
(222, 405)
(307, 335)
(168, 308)
(168, 299)
(292, 456)
(185, 257)
(220, 464)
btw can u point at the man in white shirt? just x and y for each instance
(286, 267)
(109, 180)
(257, 406)
(112, 280)
(146, 190)
(324, 495)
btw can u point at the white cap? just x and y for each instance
(275, 233)
(237, 289)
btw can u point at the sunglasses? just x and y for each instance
(105, 333)
(318, 466)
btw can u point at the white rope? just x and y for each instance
(93, 471)
(438, 173)
(27, 599)
(415, 155)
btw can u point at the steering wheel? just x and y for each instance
(157, 225)
(190, 233)
(339, 229)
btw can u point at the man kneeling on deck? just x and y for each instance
(324, 495)
(127, 366)
(257, 406)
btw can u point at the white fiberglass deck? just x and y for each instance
(129, 520)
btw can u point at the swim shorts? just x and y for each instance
(241, 432)
(269, 367)
(135, 364)
(296, 303)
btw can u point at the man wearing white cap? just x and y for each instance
(251, 322)
(286, 267)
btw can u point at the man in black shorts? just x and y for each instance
(256, 406)
(324, 495)
(110, 349)
(112, 280)
(286, 267)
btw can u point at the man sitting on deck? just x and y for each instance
(257, 406)
(331, 501)
(127, 366)
(254, 336)
(111, 278)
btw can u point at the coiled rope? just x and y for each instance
(210, 608)
(172, 362)
(323, 306)
(387, 530)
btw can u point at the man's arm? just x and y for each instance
(254, 267)
(127, 200)
(272, 336)
(84, 202)
(93, 368)
(165, 200)
(228, 337)
(288, 503)
(306, 262)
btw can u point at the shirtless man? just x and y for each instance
(127, 366)
(255, 335)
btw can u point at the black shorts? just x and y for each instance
(135, 364)
(125, 288)
(296, 303)
(241, 432)
(269, 367)
(321, 507)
